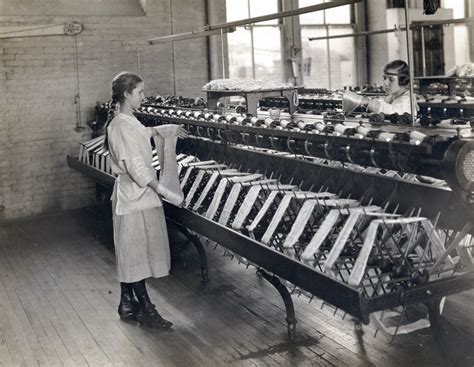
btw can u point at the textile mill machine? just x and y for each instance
(368, 217)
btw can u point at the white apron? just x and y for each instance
(140, 233)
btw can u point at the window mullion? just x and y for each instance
(252, 49)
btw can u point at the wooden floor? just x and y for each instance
(59, 295)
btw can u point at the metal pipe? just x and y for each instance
(447, 21)
(222, 53)
(172, 48)
(77, 97)
(289, 13)
(252, 45)
(410, 61)
(423, 52)
(283, 14)
(138, 60)
(395, 29)
(358, 34)
(189, 35)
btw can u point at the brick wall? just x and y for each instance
(39, 109)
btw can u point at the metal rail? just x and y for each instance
(395, 29)
(289, 13)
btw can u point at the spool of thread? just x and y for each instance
(363, 131)
(386, 136)
(429, 119)
(339, 129)
(230, 119)
(217, 117)
(329, 128)
(284, 123)
(240, 120)
(377, 117)
(197, 115)
(320, 126)
(269, 122)
(394, 118)
(208, 116)
(253, 120)
(406, 119)
(425, 120)
(350, 101)
(301, 124)
(416, 137)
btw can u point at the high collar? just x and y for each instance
(393, 97)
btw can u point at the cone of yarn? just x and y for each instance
(166, 147)
(350, 101)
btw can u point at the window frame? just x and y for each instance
(326, 26)
(279, 25)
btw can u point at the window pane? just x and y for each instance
(343, 58)
(461, 46)
(236, 10)
(259, 7)
(268, 53)
(339, 15)
(315, 17)
(457, 6)
(240, 54)
(317, 51)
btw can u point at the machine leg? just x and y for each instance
(433, 310)
(201, 251)
(290, 309)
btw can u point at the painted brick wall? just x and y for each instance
(39, 109)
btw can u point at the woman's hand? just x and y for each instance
(181, 133)
(170, 130)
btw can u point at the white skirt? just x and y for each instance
(141, 245)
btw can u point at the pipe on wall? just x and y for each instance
(217, 45)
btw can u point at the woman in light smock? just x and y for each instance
(140, 233)
(396, 83)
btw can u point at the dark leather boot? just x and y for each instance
(148, 316)
(128, 308)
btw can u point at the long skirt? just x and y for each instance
(141, 245)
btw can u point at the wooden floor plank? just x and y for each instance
(5, 356)
(58, 306)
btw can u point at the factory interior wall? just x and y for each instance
(51, 84)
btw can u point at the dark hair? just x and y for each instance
(121, 83)
(402, 70)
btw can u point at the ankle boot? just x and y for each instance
(148, 316)
(128, 308)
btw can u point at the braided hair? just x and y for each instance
(121, 83)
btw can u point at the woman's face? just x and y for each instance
(136, 97)
(390, 82)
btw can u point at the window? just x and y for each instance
(255, 52)
(463, 47)
(333, 63)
